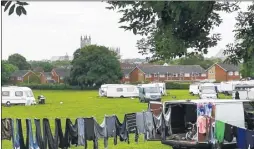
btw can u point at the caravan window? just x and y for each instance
(18, 93)
(131, 89)
(5, 93)
(119, 89)
(29, 94)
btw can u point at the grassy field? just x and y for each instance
(86, 104)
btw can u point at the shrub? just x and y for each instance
(177, 85)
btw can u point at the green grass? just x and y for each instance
(86, 104)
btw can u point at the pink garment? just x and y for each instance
(201, 123)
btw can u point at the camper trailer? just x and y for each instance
(245, 91)
(12, 95)
(103, 89)
(122, 90)
(193, 89)
(149, 92)
(228, 87)
(162, 87)
(208, 91)
(181, 128)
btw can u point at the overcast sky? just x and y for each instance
(54, 29)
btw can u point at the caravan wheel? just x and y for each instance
(8, 104)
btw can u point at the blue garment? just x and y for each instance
(241, 138)
(32, 144)
(250, 138)
(16, 144)
(81, 131)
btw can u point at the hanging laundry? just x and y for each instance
(111, 129)
(241, 138)
(201, 124)
(18, 137)
(71, 133)
(31, 143)
(60, 137)
(38, 134)
(219, 131)
(228, 134)
(89, 132)
(131, 125)
(47, 135)
(140, 122)
(250, 138)
(100, 132)
(81, 131)
(6, 129)
(149, 125)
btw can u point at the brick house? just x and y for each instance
(223, 72)
(159, 73)
(46, 77)
(21, 76)
(126, 72)
(59, 74)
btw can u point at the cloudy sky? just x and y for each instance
(54, 29)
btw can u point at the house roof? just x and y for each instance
(127, 65)
(229, 67)
(19, 73)
(63, 72)
(126, 71)
(47, 74)
(172, 69)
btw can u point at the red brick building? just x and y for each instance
(59, 74)
(23, 76)
(158, 73)
(223, 72)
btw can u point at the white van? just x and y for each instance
(122, 90)
(149, 92)
(208, 91)
(17, 95)
(181, 117)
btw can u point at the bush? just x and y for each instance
(177, 85)
(56, 87)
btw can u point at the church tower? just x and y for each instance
(85, 41)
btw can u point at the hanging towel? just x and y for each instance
(219, 131)
(241, 138)
(228, 134)
(6, 129)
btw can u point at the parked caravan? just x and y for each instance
(103, 89)
(149, 92)
(228, 87)
(162, 87)
(122, 90)
(208, 91)
(17, 95)
(245, 91)
(182, 120)
(193, 89)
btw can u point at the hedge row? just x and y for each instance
(169, 85)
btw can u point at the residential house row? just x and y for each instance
(133, 73)
(158, 73)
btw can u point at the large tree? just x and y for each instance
(242, 50)
(7, 70)
(45, 65)
(19, 61)
(95, 65)
(171, 27)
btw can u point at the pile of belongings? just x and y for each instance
(79, 132)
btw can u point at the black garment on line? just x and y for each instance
(38, 134)
(89, 132)
(60, 133)
(20, 132)
(6, 129)
(71, 133)
(228, 133)
(49, 140)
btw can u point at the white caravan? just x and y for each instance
(103, 89)
(228, 87)
(245, 91)
(208, 91)
(122, 90)
(17, 95)
(193, 89)
(162, 87)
